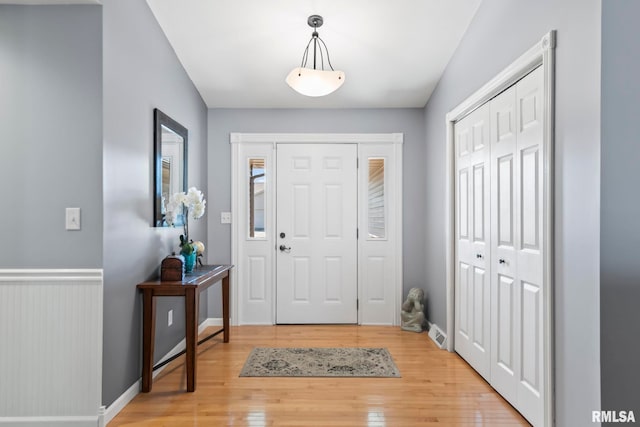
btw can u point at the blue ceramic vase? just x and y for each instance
(189, 261)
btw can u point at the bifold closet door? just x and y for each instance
(499, 243)
(516, 245)
(472, 287)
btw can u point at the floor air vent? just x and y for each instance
(437, 336)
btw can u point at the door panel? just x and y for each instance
(472, 282)
(504, 184)
(517, 369)
(317, 212)
(530, 199)
(479, 192)
(301, 210)
(463, 202)
(505, 331)
(463, 290)
(479, 309)
(504, 289)
(530, 312)
(530, 399)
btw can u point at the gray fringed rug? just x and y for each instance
(320, 362)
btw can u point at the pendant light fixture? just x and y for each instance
(315, 81)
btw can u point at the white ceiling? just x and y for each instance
(239, 52)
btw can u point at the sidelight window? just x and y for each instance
(376, 199)
(257, 188)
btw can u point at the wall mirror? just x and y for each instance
(170, 163)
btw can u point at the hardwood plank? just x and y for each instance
(437, 388)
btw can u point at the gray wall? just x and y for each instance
(407, 121)
(501, 31)
(50, 135)
(141, 72)
(620, 207)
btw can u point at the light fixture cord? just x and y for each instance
(328, 60)
(305, 56)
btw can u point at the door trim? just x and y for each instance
(541, 54)
(317, 138)
(237, 139)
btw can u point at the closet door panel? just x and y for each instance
(505, 292)
(473, 322)
(530, 249)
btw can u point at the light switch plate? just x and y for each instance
(72, 219)
(225, 217)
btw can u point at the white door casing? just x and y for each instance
(522, 229)
(253, 290)
(317, 221)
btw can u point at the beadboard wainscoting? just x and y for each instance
(51, 347)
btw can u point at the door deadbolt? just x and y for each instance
(282, 235)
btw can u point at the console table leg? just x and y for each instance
(148, 338)
(191, 326)
(225, 306)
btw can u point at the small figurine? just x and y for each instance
(413, 311)
(199, 247)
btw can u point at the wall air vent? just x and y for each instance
(437, 335)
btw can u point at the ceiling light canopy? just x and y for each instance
(315, 81)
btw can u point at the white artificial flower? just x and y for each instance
(193, 196)
(198, 209)
(180, 198)
(171, 217)
(193, 201)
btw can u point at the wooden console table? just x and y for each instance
(194, 283)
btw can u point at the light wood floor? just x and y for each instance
(437, 388)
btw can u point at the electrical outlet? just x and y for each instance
(225, 217)
(170, 318)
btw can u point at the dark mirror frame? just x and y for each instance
(161, 119)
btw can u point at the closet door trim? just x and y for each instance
(541, 54)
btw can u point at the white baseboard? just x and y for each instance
(126, 397)
(122, 401)
(50, 421)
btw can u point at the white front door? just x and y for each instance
(316, 233)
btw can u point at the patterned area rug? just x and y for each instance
(320, 362)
